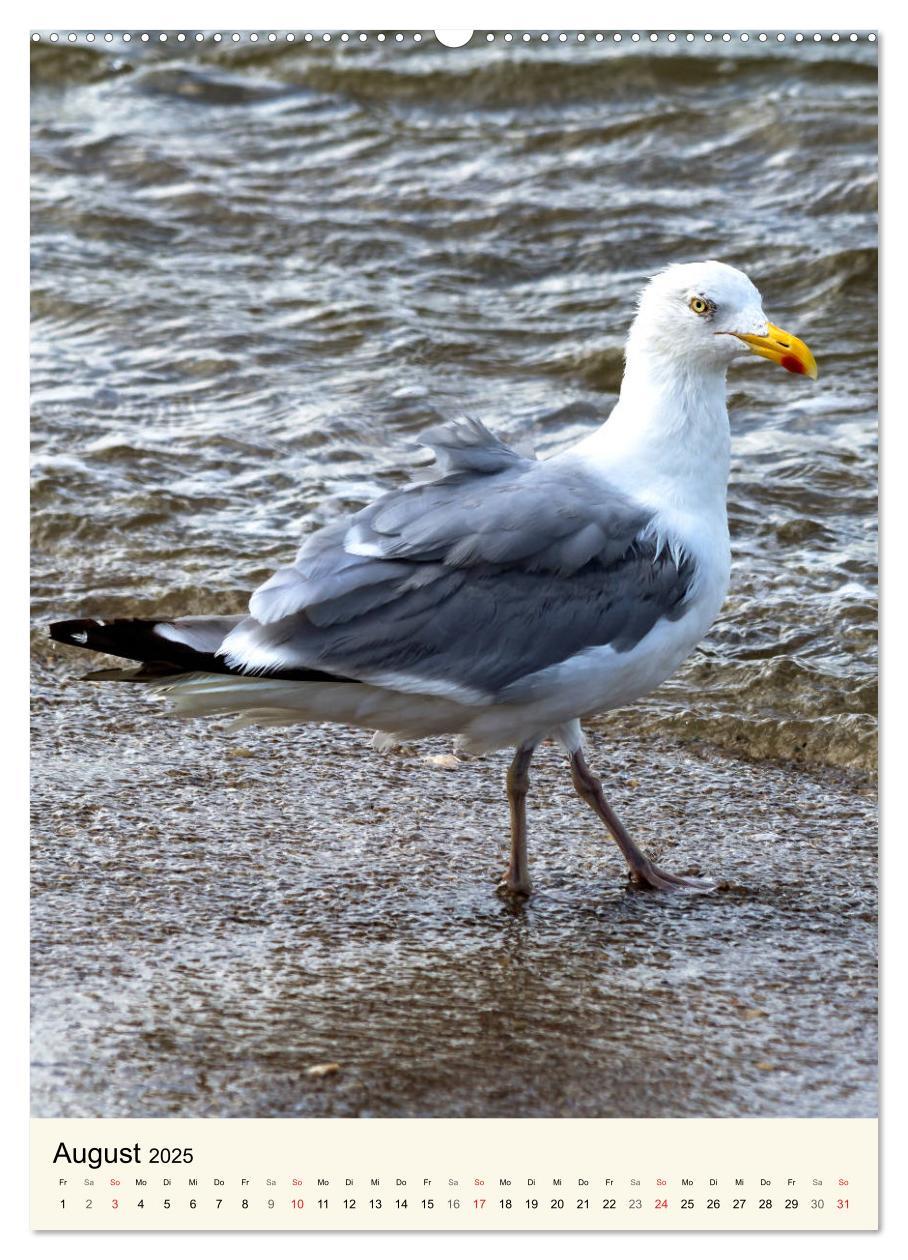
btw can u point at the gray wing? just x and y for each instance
(470, 584)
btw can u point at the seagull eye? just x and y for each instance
(699, 305)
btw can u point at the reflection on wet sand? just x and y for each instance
(210, 926)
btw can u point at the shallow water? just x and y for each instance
(257, 274)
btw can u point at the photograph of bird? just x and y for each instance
(509, 598)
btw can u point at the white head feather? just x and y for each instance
(692, 314)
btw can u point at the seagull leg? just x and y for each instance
(643, 872)
(515, 882)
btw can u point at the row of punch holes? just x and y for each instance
(507, 37)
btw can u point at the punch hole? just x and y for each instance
(453, 39)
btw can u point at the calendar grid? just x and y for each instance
(454, 1174)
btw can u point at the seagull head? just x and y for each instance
(707, 314)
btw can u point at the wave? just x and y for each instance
(483, 75)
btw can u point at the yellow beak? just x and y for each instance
(783, 348)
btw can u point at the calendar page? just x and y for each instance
(454, 640)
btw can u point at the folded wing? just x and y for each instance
(469, 585)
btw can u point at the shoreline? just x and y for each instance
(215, 914)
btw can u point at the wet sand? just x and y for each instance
(217, 913)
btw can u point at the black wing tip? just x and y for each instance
(75, 632)
(129, 637)
(133, 639)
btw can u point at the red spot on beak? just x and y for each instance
(791, 364)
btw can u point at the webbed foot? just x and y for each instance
(646, 876)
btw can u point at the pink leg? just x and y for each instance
(516, 880)
(644, 873)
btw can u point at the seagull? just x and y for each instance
(508, 598)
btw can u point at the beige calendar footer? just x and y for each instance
(454, 1174)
